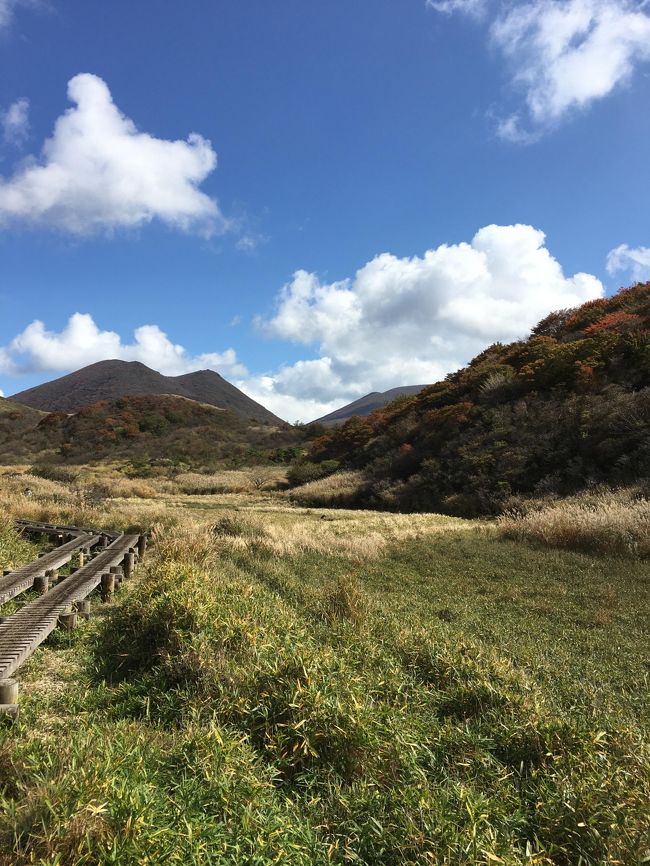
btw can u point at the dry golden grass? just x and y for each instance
(14, 482)
(342, 488)
(613, 522)
(120, 488)
(31, 497)
(352, 534)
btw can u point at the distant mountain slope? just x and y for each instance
(369, 403)
(567, 408)
(142, 428)
(110, 380)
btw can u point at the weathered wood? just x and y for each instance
(8, 691)
(108, 585)
(22, 579)
(68, 620)
(28, 627)
(42, 582)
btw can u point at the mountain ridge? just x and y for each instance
(367, 404)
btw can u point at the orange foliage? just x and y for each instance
(615, 322)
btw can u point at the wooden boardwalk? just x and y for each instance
(16, 582)
(111, 556)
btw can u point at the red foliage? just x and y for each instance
(583, 314)
(615, 322)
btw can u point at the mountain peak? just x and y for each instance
(112, 379)
(365, 405)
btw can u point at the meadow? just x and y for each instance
(293, 685)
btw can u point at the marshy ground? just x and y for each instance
(311, 686)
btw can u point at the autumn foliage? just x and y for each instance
(565, 408)
(148, 427)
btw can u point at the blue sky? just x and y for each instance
(397, 184)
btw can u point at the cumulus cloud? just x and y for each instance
(634, 261)
(563, 55)
(411, 321)
(98, 172)
(397, 321)
(15, 122)
(287, 406)
(82, 342)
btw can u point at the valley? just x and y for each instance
(325, 433)
(418, 636)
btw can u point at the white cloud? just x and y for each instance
(98, 172)
(2, 393)
(402, 321)
(466, 7)
(632, 260)
(286, 406)
(397, 321)
(81, 342)
(563, 55)
(566, 55)
(15, 122)
(6, 12)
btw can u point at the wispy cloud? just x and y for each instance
(634, 261)
(466, 7)
(6, 12)
(8, 9)
(561, 55)
(15, 122)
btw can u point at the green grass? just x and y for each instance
(14, 549)
(459, 700)
(580, 622)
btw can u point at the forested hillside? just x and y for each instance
(567, 407)
(146, 428)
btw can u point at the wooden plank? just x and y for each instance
(24, 631)
(22, 579)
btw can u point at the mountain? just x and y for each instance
(366, 405)
(110, 380)
(563, 410)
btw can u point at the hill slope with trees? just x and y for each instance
(142, 428)
(565, 408)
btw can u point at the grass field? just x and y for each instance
(301, 686)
